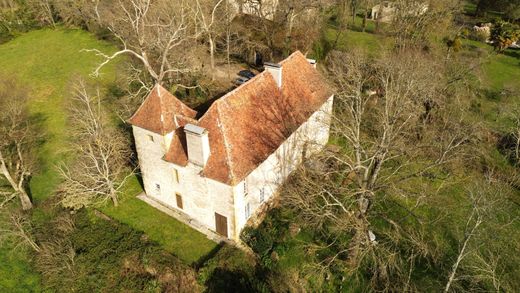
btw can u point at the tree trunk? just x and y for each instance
(113, 194)
(24, 197)
(378, 18)
(25, 200)
(212, 56)
(365, 16)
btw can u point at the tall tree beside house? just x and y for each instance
(209, 17)
(358, 197)
(155, 34)
(509, 8)
(18, 139)
(100, 155)
(415, 23)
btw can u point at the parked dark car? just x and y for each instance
(246, 73)
(240, 80)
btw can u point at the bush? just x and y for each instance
(101, 255)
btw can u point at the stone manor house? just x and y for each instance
(221, 167)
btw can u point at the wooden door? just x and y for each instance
(179, 200)
(221, 225)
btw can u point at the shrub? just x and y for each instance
(105, 256)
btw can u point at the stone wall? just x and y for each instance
(203, 197)
(309, 138)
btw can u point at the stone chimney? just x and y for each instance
(198, 144)
(276, 70)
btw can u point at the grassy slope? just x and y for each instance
(500, 73)
(500, 82)
(47, 60)
(177, 238)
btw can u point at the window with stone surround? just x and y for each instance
(176, 175)
(247, 211)
(262, 194)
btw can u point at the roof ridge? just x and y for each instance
(140, 106)
(297, 52)
(234, 91)
(161, 105)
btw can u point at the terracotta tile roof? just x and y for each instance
(158, 110)
(249, 123)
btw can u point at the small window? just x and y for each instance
(178, 198)
(157, 187)
(262, 194)
(245, 188)
(248, 211)
(150, 138)
(176, 175)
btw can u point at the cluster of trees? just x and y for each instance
(371, 203)
(374, 210)
(510, 8)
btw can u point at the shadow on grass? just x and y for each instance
(512, 53)
(39, 139)
(225, 280)
(202, 260)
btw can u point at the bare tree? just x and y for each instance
(101, 155)
(43, 10)
(17, 229)
(17, 142)
(151, 32)
(56, 258)
(477, 259)
(205, 15)
(414, 22)
(475, 219)
(383, 118)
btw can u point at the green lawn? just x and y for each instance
(499, 70)
(174, 236)
(499, 82)
(16, 273)
(46, 61)
(349, 40)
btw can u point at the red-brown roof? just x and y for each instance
(158, 110)
(249, 123)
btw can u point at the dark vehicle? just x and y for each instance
(246, 73)
(240, 80)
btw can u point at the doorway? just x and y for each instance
(221, 225)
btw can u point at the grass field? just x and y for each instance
(47, 61)
(499, 81)
(188, 244)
